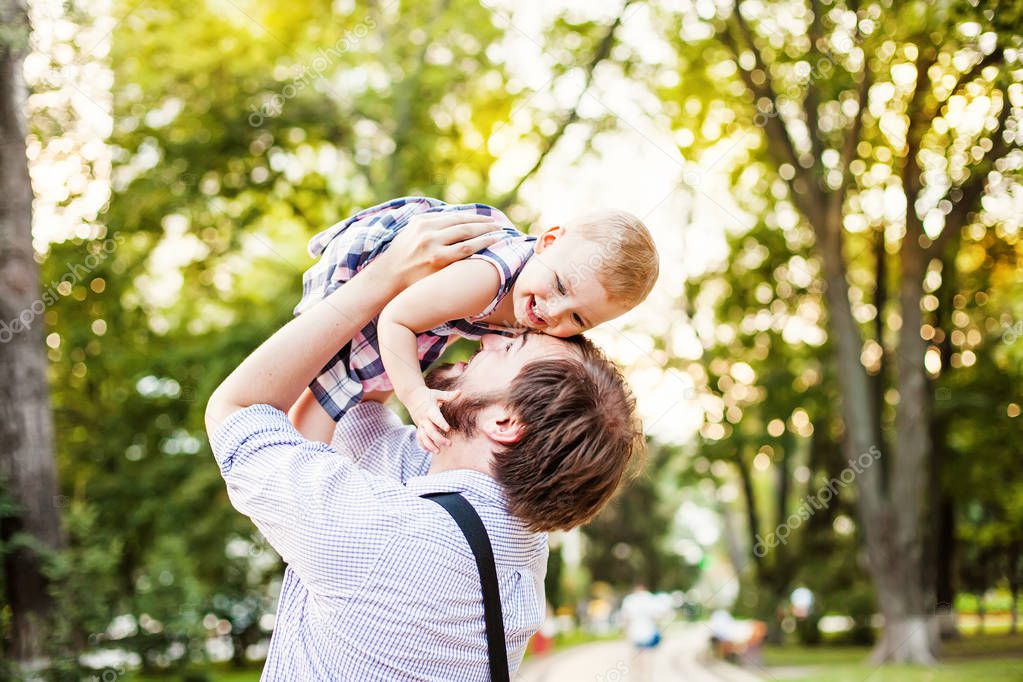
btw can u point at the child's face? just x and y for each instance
(558, 291)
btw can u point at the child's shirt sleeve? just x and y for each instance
(508, 257)
(346, 247)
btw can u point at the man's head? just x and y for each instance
(555, 417)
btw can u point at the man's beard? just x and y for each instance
(461, 413)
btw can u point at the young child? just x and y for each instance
(566, 280)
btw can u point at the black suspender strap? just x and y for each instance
(474, 531)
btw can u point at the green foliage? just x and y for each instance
(812, 70)
(986, 659)
(629, 542)
(239, 131)
(83, 579)
(8, 510)
(237, 134)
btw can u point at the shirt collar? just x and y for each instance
(476, 483)
(516, 543)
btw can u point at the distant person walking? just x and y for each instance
(643, 612)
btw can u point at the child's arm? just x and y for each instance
(462, 289)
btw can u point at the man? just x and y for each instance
(380, 583)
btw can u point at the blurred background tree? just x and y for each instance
(224, 159)
(848, 119)
(30, 520)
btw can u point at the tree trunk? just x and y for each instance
(880, 304)
(943, 539)
(891, 528)
(758, 549)
(26, 427)
(906, 640)
(909, 471)
(890, 516)
(858, 409)
(1013, 607)
(944, 587)
(980, 613)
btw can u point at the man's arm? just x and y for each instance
(302, 495)
(279, 370)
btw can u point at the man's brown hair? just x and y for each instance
(580, 434)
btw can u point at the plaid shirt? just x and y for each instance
(349, 246)
(380, 583)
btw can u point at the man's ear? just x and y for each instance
(500, 425)
(548, 237)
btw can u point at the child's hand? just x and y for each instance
(424, 408)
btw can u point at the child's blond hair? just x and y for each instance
(628, 262)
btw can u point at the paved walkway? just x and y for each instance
(682, 655)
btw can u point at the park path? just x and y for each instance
(682, 655)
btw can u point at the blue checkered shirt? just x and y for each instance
(347, 247)
(380, 584)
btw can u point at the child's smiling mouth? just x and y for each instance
(533, 315)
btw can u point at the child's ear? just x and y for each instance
(548, 237)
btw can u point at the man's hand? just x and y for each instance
(279, 370)
(432, 241)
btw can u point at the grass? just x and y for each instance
(997, 658)
(994, 624)
(994, 670)
(563, 640)
(801, 656)
(576, 637)
(978, 659)
(987, 645)
(212, 674)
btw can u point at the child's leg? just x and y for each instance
(377, 396)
